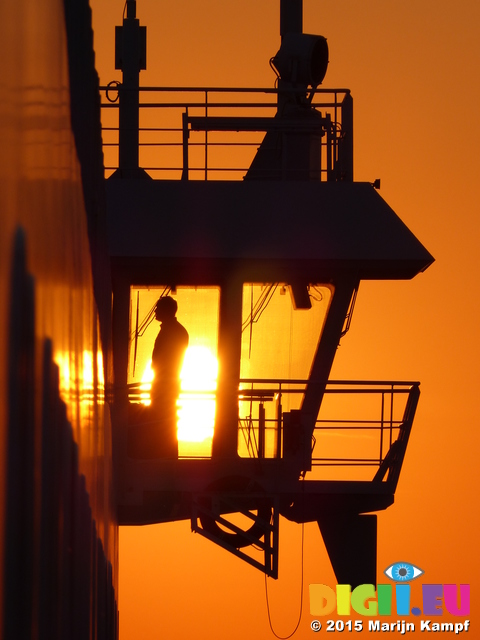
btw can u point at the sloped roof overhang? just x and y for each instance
(265, 230)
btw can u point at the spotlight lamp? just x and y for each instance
(302, 59)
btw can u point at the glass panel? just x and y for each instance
(198, 309)
(279, 342)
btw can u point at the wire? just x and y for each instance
(348, 318)
(150, 317)
(272, 67)
(116, 84)
(251, 331)
(301, 597)
(259, 307)
(317, 291)
(146, 322)
(136, 333)
(256, 312)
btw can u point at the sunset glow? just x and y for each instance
(196, 413)
(196, 405)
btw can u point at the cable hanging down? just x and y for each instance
(290, 635)
(146, 322)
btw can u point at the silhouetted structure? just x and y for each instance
(298, 224)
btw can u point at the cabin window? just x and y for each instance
(281, 328)
(198, 313)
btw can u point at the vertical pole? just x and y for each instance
(330, 148)
(381, 428)
(229, 355)
(185, 144)
(130, 54)
(261, 431)
(278, 451)
(392, 391)
(206, 136)
(121, 334)
(291, 16)
(131, 8)
(291, 21)
(345, 148)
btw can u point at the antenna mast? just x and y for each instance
(291, 16)
(131, 58)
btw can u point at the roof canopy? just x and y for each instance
(313, 228)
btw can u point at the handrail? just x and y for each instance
(361, 423)
(164, 149)
(390, 426)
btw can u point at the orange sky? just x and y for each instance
(412, 67)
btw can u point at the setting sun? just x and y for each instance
(196, 404)
(196, 414)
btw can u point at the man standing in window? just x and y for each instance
(167, 360)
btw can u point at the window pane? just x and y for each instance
(278, 342)
(198, 309)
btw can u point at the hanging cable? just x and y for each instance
(150, 317)
(301, 597)
(251, 325)
(272, 67)
(317, 291)
(260, 306)
(256, 312)
(136, 334)
(272, 289)
(146, 322)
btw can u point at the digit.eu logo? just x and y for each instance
(368, 601)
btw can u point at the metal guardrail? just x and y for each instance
(360, 423)
(213, 133)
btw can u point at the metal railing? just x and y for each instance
(360, 423)
(213, 133)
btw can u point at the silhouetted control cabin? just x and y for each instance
(265, 274)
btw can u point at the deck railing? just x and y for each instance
(361, 424)
(213, 133)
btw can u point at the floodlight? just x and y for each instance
(302, 59)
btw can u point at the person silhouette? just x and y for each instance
(167, 360)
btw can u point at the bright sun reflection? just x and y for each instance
(196, 414)
(146, 385)
(196, 405)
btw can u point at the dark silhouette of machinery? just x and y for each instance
(269, 267)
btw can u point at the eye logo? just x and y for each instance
(403, 572)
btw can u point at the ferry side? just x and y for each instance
(58, 530)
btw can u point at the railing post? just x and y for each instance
(278, 449)
(206, 137)
(330, 149)
(185, 136)
(392, 391)
(261, 431)
(344, 164)
(381, 428)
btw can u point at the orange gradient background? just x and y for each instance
(413, 69)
